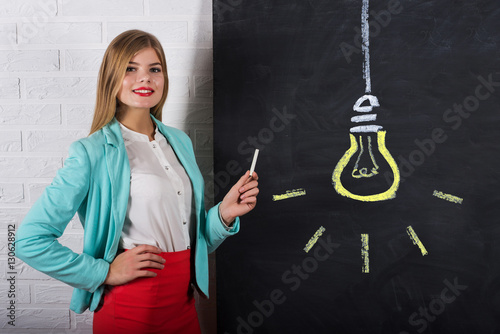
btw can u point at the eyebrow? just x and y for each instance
(153, 64)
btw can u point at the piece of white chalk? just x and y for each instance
(254, 161)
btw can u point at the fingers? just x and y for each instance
(145, 273)
(146, 249)
(243, 179)
(149, 260)
(249, 190)
(248, 186)
(145, 257)
(241, 198)
(249, 194)
(249, 178)
(134, 263)
(145, 265)
(249, 200)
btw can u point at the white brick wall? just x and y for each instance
(50, 53)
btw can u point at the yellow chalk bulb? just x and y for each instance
(366, 165)
(362, 147)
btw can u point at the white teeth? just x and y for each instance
(142, 91)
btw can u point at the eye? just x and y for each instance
(130, 69)
(155, 70)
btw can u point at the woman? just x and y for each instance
(139, 195)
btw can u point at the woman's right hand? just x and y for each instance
(131, 264)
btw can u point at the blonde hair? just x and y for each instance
(113, 69)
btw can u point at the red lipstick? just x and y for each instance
(144, 91)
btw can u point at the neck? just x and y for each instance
(138, 120)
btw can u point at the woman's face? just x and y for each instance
(142, 87)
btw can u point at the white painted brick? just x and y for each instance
(184, 7)
(83, 60)
(29, 166)
(58, 293)
(8, 34)
(102, 8)
(3, 270)
(22, 293)
(11, 193)
(204, 140)
(9, 216)
(28, 8)
(72, 241)
(84, 320)
(43, 114)
(3, 247)
(9, 88)
(25, 60)
(61, 88)
(188, 113)
(189, 59)
(166, 32)
(39, 22)
(52, 141)
(62, 33)
(75, 223)
(203, 86)
(36, 190)
(80, 114)
(178, 86)
(38, 318)
(202, 32)
(10, 141)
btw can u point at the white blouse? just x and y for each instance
(160, 206)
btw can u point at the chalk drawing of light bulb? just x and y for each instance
(366, 139)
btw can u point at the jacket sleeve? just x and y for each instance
(36, 238)
(215, 231)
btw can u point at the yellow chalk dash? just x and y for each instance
(314, 238)
(364, 254)
(448, 197)
(416, 240)
(289, 194)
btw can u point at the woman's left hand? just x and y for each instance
(240, 199)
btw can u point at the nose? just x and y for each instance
(144, 76)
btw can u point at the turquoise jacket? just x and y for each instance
(95, 182)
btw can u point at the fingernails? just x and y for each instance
(242, 189)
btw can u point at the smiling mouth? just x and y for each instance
(142, 91)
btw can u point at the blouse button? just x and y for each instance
(184, 223)
(179, 192)
(154, 146)
(189, 247)
(166, 167)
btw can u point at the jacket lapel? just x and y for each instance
(186, 157)
(118, 167)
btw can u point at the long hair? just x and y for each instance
(113, 69)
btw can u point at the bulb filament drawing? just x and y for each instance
(362, 137)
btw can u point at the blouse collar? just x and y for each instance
(131, 135)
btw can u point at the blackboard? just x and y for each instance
(309, 259)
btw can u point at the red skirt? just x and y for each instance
(152, 305)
